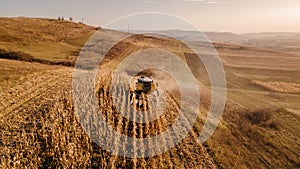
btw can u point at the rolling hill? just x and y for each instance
(40, 128)
(46, 39)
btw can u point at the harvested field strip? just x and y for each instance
(29, 87)
(280, 87)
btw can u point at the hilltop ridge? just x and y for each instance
(47, 39)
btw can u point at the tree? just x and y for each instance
(59, 18)
(71, 19)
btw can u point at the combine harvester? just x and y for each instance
(139, 92)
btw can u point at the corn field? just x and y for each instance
(40, 128)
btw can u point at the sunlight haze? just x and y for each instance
(209, 15)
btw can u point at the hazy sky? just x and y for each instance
(214, 15)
